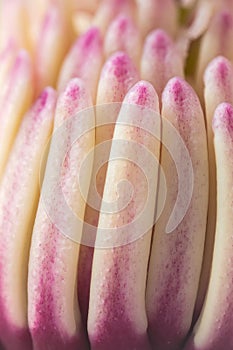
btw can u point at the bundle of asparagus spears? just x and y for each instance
(116, 174)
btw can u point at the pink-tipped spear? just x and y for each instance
(109, 9)
(217, 40)
(214, 326)
(117, 316)
(51, 46)
(161, 60)
(53, 310)
(218, 81)
(123, 35)
(176, 255)
(153, 14)
(117, 77)
(84, 61)
(19, 193)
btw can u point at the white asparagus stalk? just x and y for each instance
(176, 257)
(117, 77)
(218, 80)
(214, 327)
(51, 47)
(37, 18)
(109, 9)
(13, 24)
(19, 194)
(117, 317)
(152, 14)
(53, 311)
(216, 41)
(161, 60)
(123, 35)
(84, 61)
